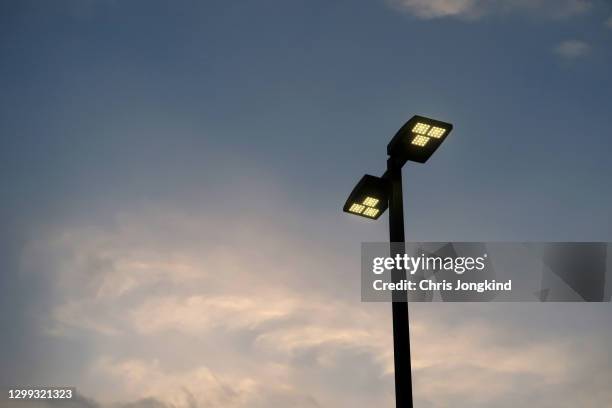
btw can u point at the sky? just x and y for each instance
(172, 177)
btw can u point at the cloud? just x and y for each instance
(178, 315)
(230, 312)
(439, 8)
(609, 22)
(572, 49)
(229, 293)
(473, 9)
(80, 401)
(149, 378)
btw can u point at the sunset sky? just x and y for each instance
(173, 173)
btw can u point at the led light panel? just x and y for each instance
(436, 132)
(420, 140)
(370, 212)
(357, 208)
(420, 128)
(370, 201)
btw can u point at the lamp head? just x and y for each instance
(418, 139)
(369, 198)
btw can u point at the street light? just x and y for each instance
(368, 198)
(416, 141)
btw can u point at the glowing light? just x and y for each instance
(370, 212)
(436, 132)
(420, 128)
(420, 140)
(370, 201)
(357, 208)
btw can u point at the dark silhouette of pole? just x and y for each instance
(401, 329)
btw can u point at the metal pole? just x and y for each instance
(401, 329)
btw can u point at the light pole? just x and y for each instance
(416, 141)
(399, 306)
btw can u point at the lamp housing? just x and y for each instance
(418, 139)
(369, 198)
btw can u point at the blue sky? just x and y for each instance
(124, 125)
(310, 92)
